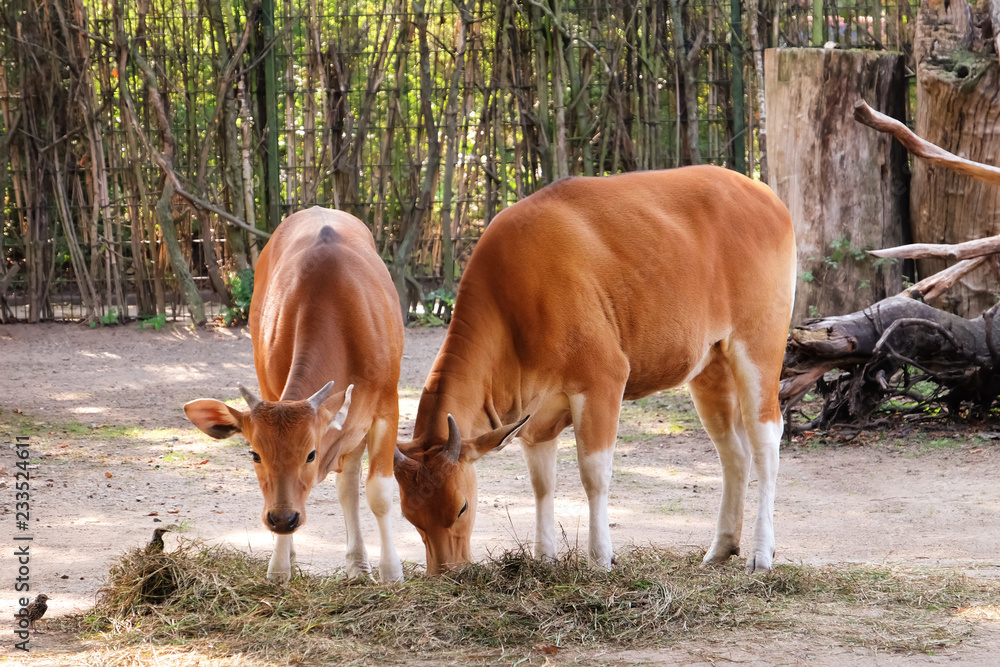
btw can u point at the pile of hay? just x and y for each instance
(651, 597)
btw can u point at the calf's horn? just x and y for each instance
(251, 400)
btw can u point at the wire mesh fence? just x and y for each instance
(125, 128)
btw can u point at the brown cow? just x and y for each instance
(324, 308)
(590, 291)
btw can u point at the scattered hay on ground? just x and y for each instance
(218, 598)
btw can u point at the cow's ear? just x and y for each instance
(495, 440)
(215, 418)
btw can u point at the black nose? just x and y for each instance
(283, 521)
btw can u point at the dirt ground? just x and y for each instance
(116, 458)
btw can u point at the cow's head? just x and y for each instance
(286, 444)
(438, 493)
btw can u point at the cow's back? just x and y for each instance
(323, 303)
(659, 265)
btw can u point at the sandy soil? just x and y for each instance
(129, 461)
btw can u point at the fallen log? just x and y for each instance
(883, 353)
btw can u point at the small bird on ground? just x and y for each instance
(155, 545)
(36, 610)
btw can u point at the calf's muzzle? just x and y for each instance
(282, 521)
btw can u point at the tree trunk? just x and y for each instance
(958, 108)
(451, 149)
(164, 207)
(753, 9)
(229, 147)
(822, 166)
(687, 65)
(416, 213)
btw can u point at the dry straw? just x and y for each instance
(197, 595)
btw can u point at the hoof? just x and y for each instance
(281, 578)
(359, 571)
(760, 562)
(718, 555)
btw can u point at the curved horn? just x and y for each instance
(317, 399)
(454, 447)
(400, 460)
(251, 400)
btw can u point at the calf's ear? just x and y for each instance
(215, 418)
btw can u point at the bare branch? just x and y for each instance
(936, 285)
(967, 250)
(924, 149)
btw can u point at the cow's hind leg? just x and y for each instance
(716, 399)
(379, 489)
(757, 369)
(348, 491)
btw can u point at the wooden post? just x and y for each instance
(845, 185)
(958, 87)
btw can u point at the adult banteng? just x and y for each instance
(590, 291)
(324, 309)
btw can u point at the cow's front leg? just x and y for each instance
(379, 489)
(279, 570)
(595, 419)
(541, 460)
(348, 491)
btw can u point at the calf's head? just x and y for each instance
(438, 491)
(286, 443)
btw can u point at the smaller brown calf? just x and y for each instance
(324, 308)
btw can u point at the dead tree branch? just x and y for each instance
(924, 149)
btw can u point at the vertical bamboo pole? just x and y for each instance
(539, 30)
(271, 116)
(451, 148)
(739, 115)
(817, 26)
(292, 175)
(877, 21)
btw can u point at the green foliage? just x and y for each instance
(108, 320)
(437, 308)
(156, 321)
(840, 250)
(426, 319)
(880, 262)
(444, 296)
(240, 292)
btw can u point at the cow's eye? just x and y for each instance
(255, 455)
(464, 507)
(311, 457)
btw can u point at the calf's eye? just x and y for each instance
(255, 455)
(311, 457)
(464, 507)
